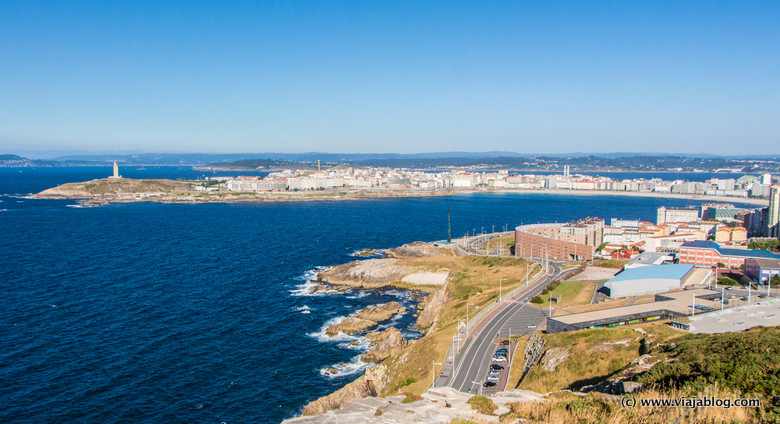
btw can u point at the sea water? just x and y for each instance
(146, 312)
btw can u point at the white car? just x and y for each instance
(497, 358)
(493, 378)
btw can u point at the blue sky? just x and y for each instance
(393, 76)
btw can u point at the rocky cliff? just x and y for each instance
(384, 344)
(431, 306)
(369, 384)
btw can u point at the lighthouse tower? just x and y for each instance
(116, 171)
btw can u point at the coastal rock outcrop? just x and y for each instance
(384, 344)
(350, 325)
(431, 307)
(417, 249)
(369, 317)
(382, 312)
(369, 384)
(369, 273)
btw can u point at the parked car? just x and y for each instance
(530, 326)
(498, 358)
(496, 367)
(494, 378)
(504, 342)
(488, 384)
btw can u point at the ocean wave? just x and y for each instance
(303, 309)
(344, 369)
(341, 337)
(401, 294)
(362, 344)
(309, 279)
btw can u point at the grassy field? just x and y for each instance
(721, 366)
(593, 355)
(610, 263)
(570, 294)
(564, 408)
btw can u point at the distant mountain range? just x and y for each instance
(617, 161)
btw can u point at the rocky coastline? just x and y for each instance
(380, 273)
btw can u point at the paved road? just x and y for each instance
(474, 245)
(513, 315)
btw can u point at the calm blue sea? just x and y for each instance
(149, 312)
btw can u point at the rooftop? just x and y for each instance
(656, 272)
(679, 302)
(725, 251)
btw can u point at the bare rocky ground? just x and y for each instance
(369, 317)
(439, 405)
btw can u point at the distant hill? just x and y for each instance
(646, 163)
(616, 161)
(16, 160)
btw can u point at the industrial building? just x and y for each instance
(649, 280)
(761, 269)
(709, 254)
(666, 306)
(648, 258)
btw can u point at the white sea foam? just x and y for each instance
(341, 337)
(344, 369)
(303, 309)
(362, 344)
(309, 279)
(358, 295)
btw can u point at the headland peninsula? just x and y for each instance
(124, 190)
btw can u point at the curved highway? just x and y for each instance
(513, 315)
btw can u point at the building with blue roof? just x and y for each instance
(649, 280)
(709, 254)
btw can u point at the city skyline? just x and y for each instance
(402, 77)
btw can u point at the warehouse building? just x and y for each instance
(649, 280)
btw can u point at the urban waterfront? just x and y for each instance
(197, 313)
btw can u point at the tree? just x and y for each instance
(774, 281)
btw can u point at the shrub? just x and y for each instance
(408, 381)
(482, 405)
(537, 299)
(410, 397)
(746, 363)
(727, 281)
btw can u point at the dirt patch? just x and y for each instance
(594, 273)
